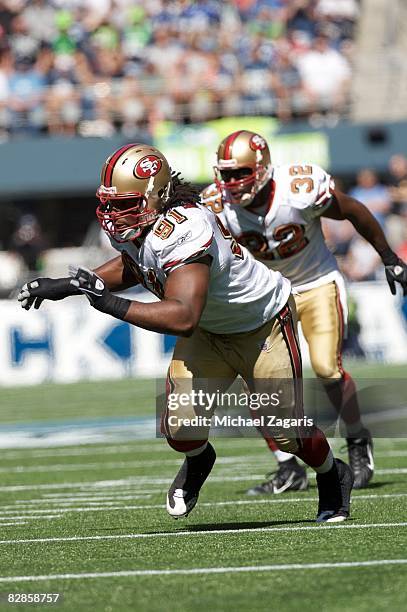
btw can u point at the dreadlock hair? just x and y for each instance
(182, 192)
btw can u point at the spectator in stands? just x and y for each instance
(245, 7)
(288, 85)
(338, 235)
(396, 222)
(325, 74)
(398, 180)
(257, 85)
(301, 16)
(26, 97)
(269, 20)
(342, 14)
(137, 32)
(362, 262)
(40, 17)
(21, 41)
(4, 91)
(373, 194)
(64, 95)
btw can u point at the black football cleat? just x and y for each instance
(334, 489)
(184, 491)
(360, 451)
(289, 476)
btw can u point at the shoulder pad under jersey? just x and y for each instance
(181, 235)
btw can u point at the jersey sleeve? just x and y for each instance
(211, 198)
(183, 236)
(311, 189)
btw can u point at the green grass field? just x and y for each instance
(88, 520)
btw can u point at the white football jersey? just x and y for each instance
(243, 293)
(288, 238)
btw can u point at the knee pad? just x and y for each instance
(184, 446)
(327, 371)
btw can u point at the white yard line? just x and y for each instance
(78, 452)
(385, 471)
(58, 511)
(141, 480)
(206, 570)
(24, 519)
(73, 499)
(149, 480)
(155, 445)
(233, 461)
(109, 506)
(95, 493)
(165, 534)
(229, 463)
(237, 462)
(391, 453)
(93, 484)
(66, 467)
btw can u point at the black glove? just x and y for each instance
(396, 270)
(98, 294)
(397, 273)
(41, 289)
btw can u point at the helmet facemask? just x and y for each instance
(124, 217)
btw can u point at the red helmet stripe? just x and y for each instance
(229, 142)
(107, 180)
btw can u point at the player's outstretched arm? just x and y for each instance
(113, 272)
(346, 207)
(177, 313)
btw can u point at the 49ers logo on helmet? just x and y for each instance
(147, 166)
(257, 143)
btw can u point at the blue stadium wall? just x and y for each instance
(70, 166)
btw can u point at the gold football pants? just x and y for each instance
(211, 362)
(321, 316)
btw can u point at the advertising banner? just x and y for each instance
(192, 148)
(69, 341)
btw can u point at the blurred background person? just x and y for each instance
(374, 194)
(28, 242)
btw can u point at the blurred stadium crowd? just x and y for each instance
(96, 67)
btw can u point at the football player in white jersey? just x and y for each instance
(275, 212)
(232, 314)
